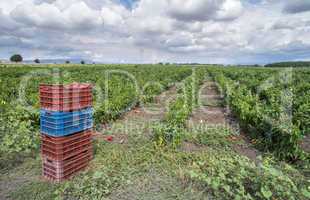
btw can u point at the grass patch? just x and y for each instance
(140, 170)
(35, 191)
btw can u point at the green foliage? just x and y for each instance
(36, 191)
(166, 134)
(37, 61)
(118, 88)
(262, 100)
(20, 131)
(16, 58)
(214, 172)
(229, 176)
(169, 131)
(112, 166)
(96, 185)
(215, 137)
(150, 90)
(178, 113)
(289, 64)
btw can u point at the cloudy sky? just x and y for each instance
(141, 31)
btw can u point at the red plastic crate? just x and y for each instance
(61, 148)
(65, 150)
(64, 165)
(66, 94)
(60, 154)
(72, 102)
(65, 97)
(61, 170)
(65, 142)
(66, 106)
(63, 100)
(54, 178)
(49, 88)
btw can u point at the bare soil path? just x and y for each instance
(152, 183)
(18, 177)
(138, 121)
(213, 114)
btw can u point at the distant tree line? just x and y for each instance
(289, 64)
(255, 65)
(18, 58)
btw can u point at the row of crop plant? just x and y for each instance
(270, 106)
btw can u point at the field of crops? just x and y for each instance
(271, 104)
(125, 86)
(159, 156)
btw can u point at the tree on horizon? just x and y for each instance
(16, 58)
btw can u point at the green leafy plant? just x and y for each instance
(20, 131)
(170, 129)
(263, 112)
(229, 176)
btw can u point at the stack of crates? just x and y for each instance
(66, 127)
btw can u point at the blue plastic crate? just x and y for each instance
(62, 115)
(66, 130)
(65, 123)
(68, 119)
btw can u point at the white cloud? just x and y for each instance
(7, 24)
(76, 16)
(203, 10)
(80, 15)
(230, 9)
(39, 15)
(8, 5)
(114, 14)
(196, 30)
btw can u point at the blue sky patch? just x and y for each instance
(128, 3)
